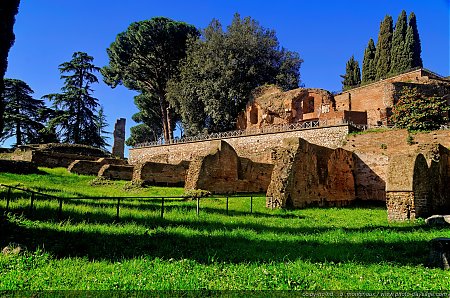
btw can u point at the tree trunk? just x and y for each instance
(169, 125)
(166, 128)
(2, 106)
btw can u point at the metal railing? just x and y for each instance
(34, 196)
(249, 132)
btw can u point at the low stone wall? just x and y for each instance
(221, 171)
(256, 148)
(89, 167)
(116, 172)
(161, 174)
(306, 174)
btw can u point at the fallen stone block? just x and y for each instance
(440, 253)
(438, 220)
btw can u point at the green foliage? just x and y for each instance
(100, 181)
(383, 146)
(24, 116)
(144, 58)
(416, 44)
(196, 193)
(383, 48)
(352, 77)
(368, 69)
(75, 108)
(399, 57)
(8, 11)
(415, 112)
(221, 70)
(409, 139)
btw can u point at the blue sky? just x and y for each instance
(324, 33)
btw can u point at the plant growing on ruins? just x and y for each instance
(144, 58)
(24, 115)
(415, 112)
(8, 11)
(223, 67)
(75, 108)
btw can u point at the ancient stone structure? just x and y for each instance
(57, 155)
(91, 167)
(119, 138)
(18, 167)
(305, 174)
(221, 170)
(257, 148)
(153, 173)
(440, 253)
(417, 183)
(116, 172)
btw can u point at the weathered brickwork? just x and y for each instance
(222, 171)
(257, 148)
(417, 183)
(305, 174)
(116, 172)
(92, 167)
(119, 138)
(152, 173)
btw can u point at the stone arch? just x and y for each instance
(421, 188)
(254, 117)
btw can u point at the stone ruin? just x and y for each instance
(118, 148)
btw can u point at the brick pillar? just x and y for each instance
(119, 138)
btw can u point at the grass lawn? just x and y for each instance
(352, 248)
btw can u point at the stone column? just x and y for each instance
(119, 138)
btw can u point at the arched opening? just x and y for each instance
(254, 115)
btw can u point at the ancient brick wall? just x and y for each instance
(92, 167)
(221, 171)
(116, 172)
(305, 174)
(161, 174)
(257, 148)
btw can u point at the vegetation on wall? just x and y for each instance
(413, 111)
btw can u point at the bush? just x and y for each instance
(100, 181)
(196, 193)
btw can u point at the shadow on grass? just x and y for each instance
(214, 242)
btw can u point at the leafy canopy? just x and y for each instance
(223, 67)
(75, 108)
(24, 115)
(413, 111)
(145, 57)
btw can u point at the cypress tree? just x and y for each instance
(408, 48)
(383, 49)
(368, 68)
(416, 46)
(352, 77)
(398, 59)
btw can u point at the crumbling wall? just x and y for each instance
(305, 174)
(90, 167)
(417, 183)
(116, 172)
(161, 174)
(221, 171)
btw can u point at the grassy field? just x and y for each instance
(352, 248)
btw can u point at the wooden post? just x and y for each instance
(118, 209)
(162, 207)
(8, 197)
(32, 201)
(251, 204)
(60, 208)
(198, 206)
(227, 205)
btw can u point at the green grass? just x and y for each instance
(310, 249)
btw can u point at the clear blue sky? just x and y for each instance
(324, 33)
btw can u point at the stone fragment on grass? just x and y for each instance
(440, 253)
(438, 220)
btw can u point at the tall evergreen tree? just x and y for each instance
(8, 11)
(416, 44)
(368, 69)
(76, 108)
(399, 59)
(24, 115)
(383, 49)
(352, 77)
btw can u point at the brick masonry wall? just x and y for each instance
(257, 148)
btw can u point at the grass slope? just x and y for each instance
(310, 249)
